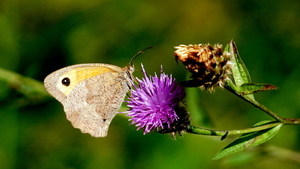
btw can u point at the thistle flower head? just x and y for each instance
(153, 102)
(208, 64)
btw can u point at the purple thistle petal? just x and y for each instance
(153, 100)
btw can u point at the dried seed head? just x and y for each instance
(208, 64)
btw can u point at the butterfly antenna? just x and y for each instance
(140, 52)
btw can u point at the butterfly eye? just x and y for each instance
(66, 81)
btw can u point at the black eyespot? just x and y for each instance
(66, 81)
(104, 120)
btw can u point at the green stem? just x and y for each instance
(202, 131)
(256, 104)
(291, 120)
(232, 88)
(33, 90)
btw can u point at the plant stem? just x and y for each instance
(202, 131)
(33, 90)
(256, 104)
(232, 88)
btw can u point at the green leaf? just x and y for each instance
(239, 70)
(250, 88)
(240, 74)
(248, 140)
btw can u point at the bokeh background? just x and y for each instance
(38, 37)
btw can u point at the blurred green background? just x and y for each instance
(38, 37)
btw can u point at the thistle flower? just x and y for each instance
(208, 64)
(153, 102)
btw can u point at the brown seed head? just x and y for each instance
(208, 64)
